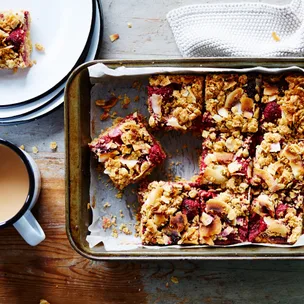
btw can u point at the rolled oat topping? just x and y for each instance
(231, 102)
(276, 218)
(15, 42)
(127, 151)
(175, 102)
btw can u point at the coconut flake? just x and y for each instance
(206, 219)
(223, 112)
(172, 122)
(130, 163)
(227, 231)
(276, 147)
(155, 103)
(234, 167)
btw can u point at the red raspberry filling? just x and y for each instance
(272, 112)
(207, 121)
(257, 226)
(156, 155)
(16, 38)
(165, 92)
(245, 165)
(243, 231)
(190, 208)
(281, 210)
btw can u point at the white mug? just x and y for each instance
(24, 221)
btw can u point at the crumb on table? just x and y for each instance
(39, 47)
(53, 145)
(114, 37)
(35, 150)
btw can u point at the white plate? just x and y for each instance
(62, 27)
(57, 101)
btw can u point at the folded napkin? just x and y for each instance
(239, 29)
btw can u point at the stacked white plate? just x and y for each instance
(71, 33)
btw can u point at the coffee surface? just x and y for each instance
(14, 183)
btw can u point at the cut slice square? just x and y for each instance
(127, 151)
(169, 213)
(232, 102)
(15, 42)
(226, 160)
(278, 164)
(283, 109)
(276, 218)
(224, 217)
(175, 101)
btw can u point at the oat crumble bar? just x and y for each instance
(278, 164)
(175, 101)
(224, 217)
(282, 108)
(169, 213)
(15, 42)
(127, 151)
(226, 160)
(276, 218)
(232, 102)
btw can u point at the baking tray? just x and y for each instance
(77, 136)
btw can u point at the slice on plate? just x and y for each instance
(276, 218)
(127, 151)
(224, 217)
(278, 164)
(15, 42)
(175, 101)
(169, 213)
(226, 160)
(232, 102)
(283, 109)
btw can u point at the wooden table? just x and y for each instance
(53, 271)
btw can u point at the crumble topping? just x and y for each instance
(127, 151)
(175, 101)
(231, 102)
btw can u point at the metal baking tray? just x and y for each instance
(77, 136)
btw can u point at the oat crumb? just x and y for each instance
(119, 195)
(125, 229)
(167, 285)
(114, 37)
(22, 147)
(107, 205)
(88, 206)
(136, 98)
(106, 223)
(126, 101)
(275, 36)
(104, 116)
(35, 150)
(129, 25)
(42, 301)
(174, 280)
(114, 233)
(121, 213)
(39, 47)
(53, 146)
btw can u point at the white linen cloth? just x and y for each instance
(239, 29)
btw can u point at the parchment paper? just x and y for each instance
(182, 154)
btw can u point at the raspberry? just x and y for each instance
(16, 38)
(165, 92)
(258, 225)
(190, 208)
(281, 210)
(272, 112)
(207, 121)
(156, 155)
(243, 231)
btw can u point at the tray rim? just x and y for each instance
(69, 95)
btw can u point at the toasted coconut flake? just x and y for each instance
(276, 147)
(154, 195)
(156, 103)
(105, 156)
(206, 219)
(215, 175)
(223, 112)
(271, 91)
(213, 229)
(246, 104)
(275, 226)
(173, 122)
(114, 37)
(234, 167)
(223, 157)
(233, 98)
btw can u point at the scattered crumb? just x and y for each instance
(114, 37)
(107, 205)
(107, 104)
(113, 115)
(34, 61)
(121, 214)
(136, 98)
(174, 280)
(275, 36)
(88, 206)
(177, 178)
(93, 201)
(42, 301)
(104, 116)
(22, 147)
(113, 221)
(126, 101)
(136, 85)
(167, 285)
(106, 223)
(53, 146)
(129, 24)
(35, 150)
(39, 47)
(125, 229)
(100, 102)
(119, 195)
(114, 233)
(185, 146)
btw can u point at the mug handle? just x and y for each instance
(29, 229)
